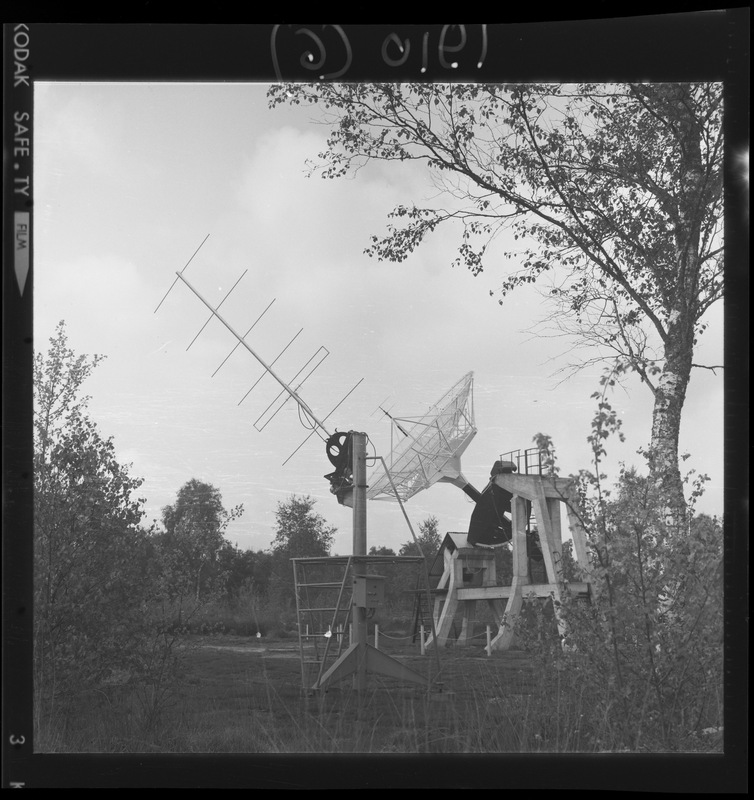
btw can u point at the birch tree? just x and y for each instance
(608, 196)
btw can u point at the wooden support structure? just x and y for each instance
(546, 494)
(461, 560)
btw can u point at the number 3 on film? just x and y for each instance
(16, 741)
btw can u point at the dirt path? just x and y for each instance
(273, 651)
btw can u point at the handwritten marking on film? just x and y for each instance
(327, 54)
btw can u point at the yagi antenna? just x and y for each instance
(238, 344)
(327, 417)
(282, 392)
(183, 270)
(306, 415)
(209, 319)
(268, 368)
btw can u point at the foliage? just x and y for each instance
(243, 571)
(381, 551)
(106, 591)
(427, 543)
(193, 552)
(614, 192)
(649, 645)
(300, 532)
(91, 576)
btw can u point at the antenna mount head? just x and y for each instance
(500, 467)
(340, 453)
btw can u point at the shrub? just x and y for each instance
(649, 645)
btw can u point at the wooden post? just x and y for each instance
(520, 575)
(553, 510)
(545, 530)
(550, 550)
(442, 584)
(454, 570)
(467, 624)
(578, 535)
(556, 550)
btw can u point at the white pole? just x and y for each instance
(421, 638)
(489, 641)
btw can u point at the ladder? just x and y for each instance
(324, 589)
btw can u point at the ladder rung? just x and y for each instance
(331, 608)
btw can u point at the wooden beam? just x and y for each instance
(578, 589)
(506, 631)
(520, 580)
(578, 534)
(525, 485)
(443, 623)
(518, 524)
(547, 537)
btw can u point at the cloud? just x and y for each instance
(92, 293)
(130, 181)
(88, 129)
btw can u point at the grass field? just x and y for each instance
(241, 695)
(236, 694)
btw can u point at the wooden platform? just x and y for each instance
(544, 496)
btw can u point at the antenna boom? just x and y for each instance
(302, 404)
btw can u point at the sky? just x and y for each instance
(130, 179)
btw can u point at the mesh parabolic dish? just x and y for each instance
(430, 446)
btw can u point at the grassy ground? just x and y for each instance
(238, 694)
(241, 695)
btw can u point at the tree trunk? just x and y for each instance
(682, 300)
(198, 579)
(670, 396)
